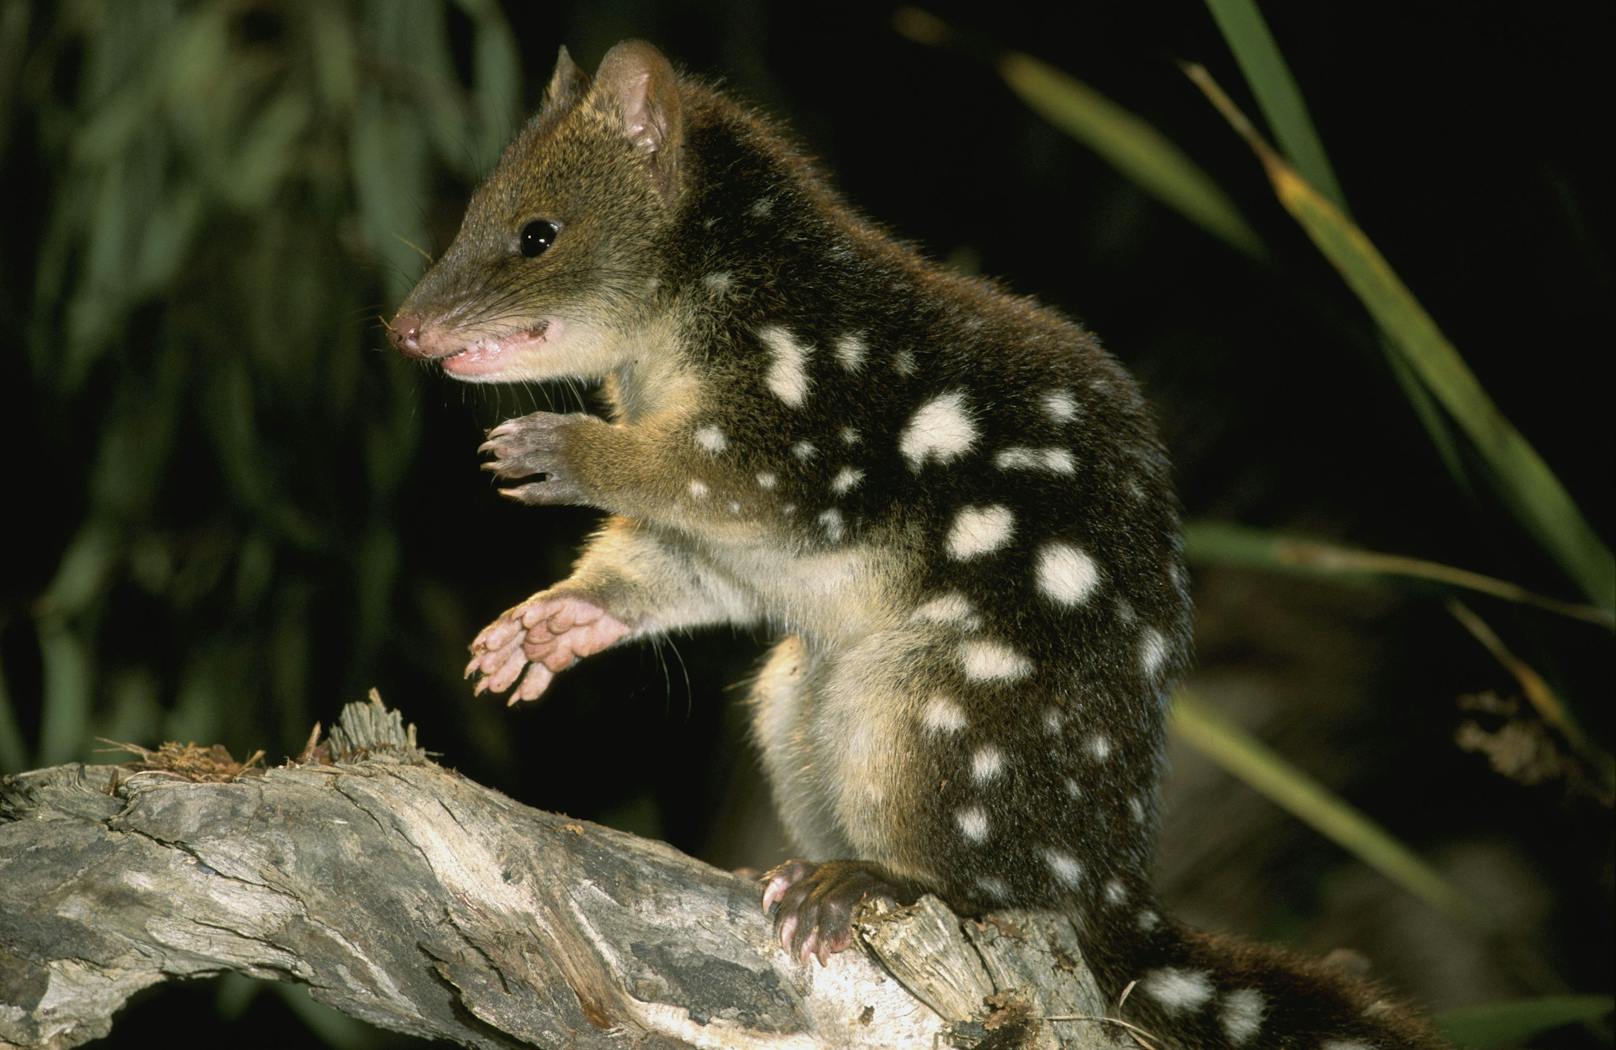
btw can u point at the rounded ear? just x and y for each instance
(637, 85)
(568, 85)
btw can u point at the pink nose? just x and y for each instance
(405, 332)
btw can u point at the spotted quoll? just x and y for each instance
(949, 501)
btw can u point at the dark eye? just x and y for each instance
(537, 236)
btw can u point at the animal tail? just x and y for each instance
(1187, 990)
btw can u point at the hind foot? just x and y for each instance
(813, 904)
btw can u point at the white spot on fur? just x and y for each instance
(850, 436)
(832, 522)
(943, 715)
(761, 207)
(1054, 460)
(903, 363)
(1152, 652)
(992, 662)
(1137, 809)
(766, 480)
(978, 530)
(940, 430)
(1148, 920)
(734, 506)
(698, 489)
(803, 450)
(987, 763)
(1059, 406)
(973, 823)
(993, 886)
(850, 352)
(711, 439)
(1099, 746)
(1065, 574)
(1053, 721)
(845, 480)
(1241, 1015)
(1178, 990)
(1115, 892)
(1073, 788)
(787, 377)
(1064, 866)
(950, 608)
(717, 282)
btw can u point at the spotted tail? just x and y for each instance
(1195, 991)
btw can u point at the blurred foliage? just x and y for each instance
(1495, 1026)
(244, 452)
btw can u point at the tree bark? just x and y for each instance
(405, 895)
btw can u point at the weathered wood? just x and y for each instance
(412, 898)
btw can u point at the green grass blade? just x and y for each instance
(1495, 1026)
(1130, 145)
(1247, 758)
(1528, 486)
(1270, 80)
(1264, 68)
(1121, 138)
(1223, 543)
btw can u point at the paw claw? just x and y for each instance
(813, 904)
(774, 891)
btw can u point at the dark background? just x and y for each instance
(231, 509)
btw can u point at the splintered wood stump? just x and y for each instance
(405, 895)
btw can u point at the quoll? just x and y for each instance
(949, 501)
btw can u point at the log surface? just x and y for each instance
(407, 896)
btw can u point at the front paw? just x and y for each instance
(533, 449)
(535, 640)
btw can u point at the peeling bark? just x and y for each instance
(405, 895)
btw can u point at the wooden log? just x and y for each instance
(410, 897)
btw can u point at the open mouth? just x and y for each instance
(492, 354)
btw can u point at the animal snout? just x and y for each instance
(405, 333)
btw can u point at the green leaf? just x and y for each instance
(1264, 770)
(1281, 102)
(1494, 1026)
(1223, 543)
(13, 750)
(1270, 79)
(1130, 145)
(388, 161)
(267, 151)
(335, 56)
(1122, 139)
(81, 575)
(69, 670)
(497, 81)
(1524, 480)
